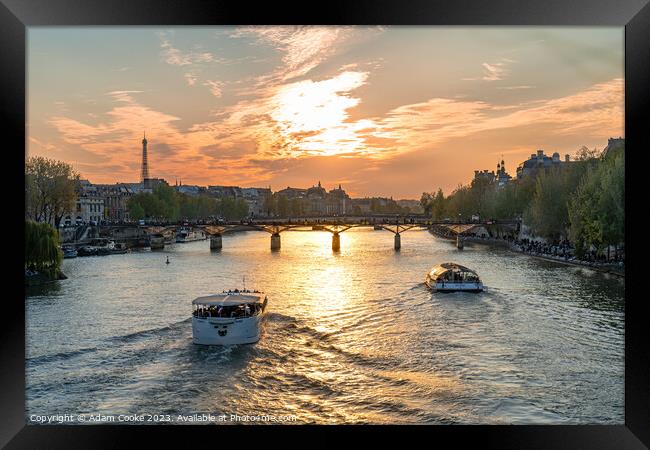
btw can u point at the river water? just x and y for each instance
(350, 337)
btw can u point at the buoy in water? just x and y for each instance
(167, 260)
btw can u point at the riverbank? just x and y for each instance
(38, 279)
(603, 268)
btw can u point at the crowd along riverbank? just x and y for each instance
(617, 269)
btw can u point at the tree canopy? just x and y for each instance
(42, 251)
(583, 202)
(164, 203)
(49, 189)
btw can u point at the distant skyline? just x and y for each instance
(383, 111)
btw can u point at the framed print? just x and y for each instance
(372, 214)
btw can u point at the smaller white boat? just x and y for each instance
(452, 277)
(97, 246)
(188, 234)
(228, 318)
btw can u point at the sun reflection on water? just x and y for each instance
(350, 336)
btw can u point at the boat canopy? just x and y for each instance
(454, 268)
(229, 299)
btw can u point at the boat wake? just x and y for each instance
(154, 332)
(115, 340)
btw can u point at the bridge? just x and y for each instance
(334, 225)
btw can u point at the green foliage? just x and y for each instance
(136, 210)
(279, 205)
(232, 209)
(426, 201)
(438, 205)
(42, 252)
(547, 215)
(597, 211)
(282, 206)
(461, 204)
(297, 207)
(164, 203)
(49, 189)
(386, 206)
(480, 195)
(269, 203)
(584, 202)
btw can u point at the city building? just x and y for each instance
(153, 182)
(538, 161)
(316, 200)
(362, 205)
(613, 143)
(502, 177)
(187, 189)
(291, 193)
(375, 205)
(225, 191)
(116, 197)
(484, 175)
(255, 198)
(89, 206)
(90, 209)
(338, 202)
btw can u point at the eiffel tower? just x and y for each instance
(144, 176)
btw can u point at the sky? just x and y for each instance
(383, 111)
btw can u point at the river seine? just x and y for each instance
(350, 337)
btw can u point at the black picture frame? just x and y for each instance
(16, 15)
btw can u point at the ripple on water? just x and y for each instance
(353, 337)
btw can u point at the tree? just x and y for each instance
(49, 189)
(548, 213)
(42, 251)
(296, 206)
(585, 154)
(169, 203)
(426, 203)
(481, 190)
(269, 204)
(283, 206)
(438, 205)
(136, 211)
(597, 211)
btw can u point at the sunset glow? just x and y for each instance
(382, 110)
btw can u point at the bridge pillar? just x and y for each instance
(215, 242)
(336, 242)
(398, 241)
(275, 241)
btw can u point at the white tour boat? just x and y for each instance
(188, 234)
(229, 318)
(452, 277)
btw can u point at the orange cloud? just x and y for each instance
(215, 87)
(596, 111)
(303, 47)
(308, 118)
